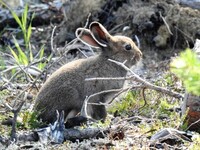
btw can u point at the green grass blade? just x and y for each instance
(24, 16)
(30, 54)
(49, 58)
(22, 56)
(16, 19)
(41, 52)
(41, 65)
(29, 32)
(14, 55)
(24, 24)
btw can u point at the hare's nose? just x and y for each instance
(138, 55)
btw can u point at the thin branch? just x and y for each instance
(165, 22)
(189, 37)
(68, 46)
(15, 112)
(113, 78)
(118, 26)
(144, 98)
(87, 21)
(125, 90)
(175, 40)
(85, 103)
(138, 41)
(52, 48)
(148, 84)
(140, 80)
(99, 93)
(82, 52)
(192, 124)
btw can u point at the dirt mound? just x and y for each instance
(163, 27)
(163, 24)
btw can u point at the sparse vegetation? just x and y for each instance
(137, 115)
(29, 120)
(23, 57)
(129, 102)
(25, 27)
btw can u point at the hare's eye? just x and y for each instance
(128, 47)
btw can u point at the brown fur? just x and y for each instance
(66, 88)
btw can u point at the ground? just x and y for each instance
(162, 29)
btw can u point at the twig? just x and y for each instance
(118, 26)
(22, 68)
(52, 48)
(117, 94)
(42, 60)
(120, 91)
(165, 22)
(84, 108)
(125, 90)
(87, 21)
(140, 80)
(138, 41)
(68, 45)
(99, 93)
(148, 84)
(82, 52)
(175, 40)
(184, 34)
(113, 78)
(85, 103)
(193, 124)
(135, 118)
(144, 98)
(15, 112)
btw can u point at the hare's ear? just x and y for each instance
(100, 33)
(85, 36)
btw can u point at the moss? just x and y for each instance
(129, 102)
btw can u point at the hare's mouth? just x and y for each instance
(136, 57)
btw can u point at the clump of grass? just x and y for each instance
(29, 120)
(22, 57)
(126, 104)
(24, 61)
(25, 27)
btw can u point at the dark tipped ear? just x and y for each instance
(85, 36)
(100, 33)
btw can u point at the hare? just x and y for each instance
(66, 88)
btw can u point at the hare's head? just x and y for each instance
(119, 48)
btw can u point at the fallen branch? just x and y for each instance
(69, 134)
